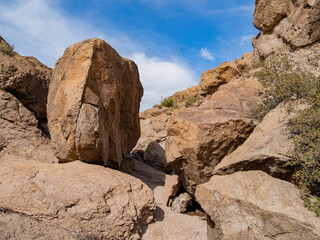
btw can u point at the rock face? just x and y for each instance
(19, 134)
(199, 138)
(267, 148)
(88, 201)
(213, 78)
(253, 205)
(285, 24)
(27, 79)
(93, 104)
(154, 124)
(170, 190)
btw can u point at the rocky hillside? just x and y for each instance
(78, 161)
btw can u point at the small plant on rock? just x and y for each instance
(6, 48)
(169, 102)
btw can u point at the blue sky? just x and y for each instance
(171, 41)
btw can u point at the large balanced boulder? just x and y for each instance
(27, 79)
(93, 104)
(89, 201)
(267, 149)
(253, 205)
(199, 138)
(285, 24)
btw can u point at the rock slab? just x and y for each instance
(88, 201)
(254, 205)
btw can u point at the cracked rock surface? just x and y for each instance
(76, 200)
(93, 104)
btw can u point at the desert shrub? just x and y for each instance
(168, 102)
(284, 82)
(6, 48)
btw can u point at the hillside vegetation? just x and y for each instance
(284, 81)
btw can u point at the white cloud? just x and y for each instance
(245, 39)
(161, 78)
(205, 53)
(39, 28)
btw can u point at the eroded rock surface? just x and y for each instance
(19, 132)
(27, 79)
(285, 24)
(254, 205)
(199, 138)
(74, 200)
(93, 104)
(267, 149)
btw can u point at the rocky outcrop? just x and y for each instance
(267, 149)
(73, 200)
(27, 79)
(19, 132)
(93, 104)
(154, 124)
(170, 190)
(199, 138)
(286, 24)
(253, 205)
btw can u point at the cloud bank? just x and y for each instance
(39, 28)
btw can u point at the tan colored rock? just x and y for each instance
(14, 226)
(170, 189)
(27, 79)
(238, 96)
(213, 78)
(285, 25)
(198, 139)
(93, 104)
(253, 205)
(267, 148)
(19, 134)
(154, 124)
(86, 200)
(186, 97)
(268, 13)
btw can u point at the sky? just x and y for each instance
(171, 41)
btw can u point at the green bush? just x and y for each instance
(284, 82)
(168, 102)
(6, 48)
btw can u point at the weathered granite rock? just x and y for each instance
(213, 78)
(181, 203)
(27, 79)
(254, 205)
(199, 138)
(93, 104)
(285, 24)
(154, 124)
(267, 149)
(19, 134)
(89, 201)
(170, 190)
